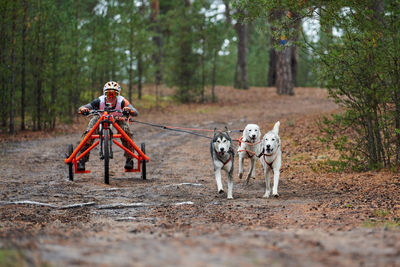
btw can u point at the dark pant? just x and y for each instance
(122, 123)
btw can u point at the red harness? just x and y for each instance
(250, 144)
(226, 162)
(269, 163)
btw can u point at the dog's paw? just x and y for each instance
(276, 195)
(266, 195)
(240, 175)
(221, 191)
(229, 197)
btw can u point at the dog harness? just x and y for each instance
(226, 162)
(269, 163)
(250, 144)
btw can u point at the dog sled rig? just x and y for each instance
(105, 126)
(105, 138)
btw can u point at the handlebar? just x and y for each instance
(100, 112)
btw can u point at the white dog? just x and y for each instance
(250, 147)
(271, 159)
(222, 156)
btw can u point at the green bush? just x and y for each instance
(361, 70)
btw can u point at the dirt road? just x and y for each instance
(176, 217)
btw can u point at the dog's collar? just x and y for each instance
(219, 153)
(248, 142)
(262, 153)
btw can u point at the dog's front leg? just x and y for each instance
(230, 185)
(251, 170)
(240, 166)
(254, 161)
(218, 179)
(267, 173)
(276, 182)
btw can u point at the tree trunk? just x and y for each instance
(293, 64)
(13, 70)
(213, 77)
(241, 80)
(140, 74)
(38, 92)
(371, 141)
(397, 124)
(202, 63)
(130, 70)
(185, 68)
(272, 66)
(294, 61)
(23, 67)
(75, 85)
(284, 79)
(4, 61)
(241, 75)
(94, 83)
(53, 91)
(157, 56)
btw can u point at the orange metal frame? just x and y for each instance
(73, 158)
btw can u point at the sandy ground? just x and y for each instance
(177, 218)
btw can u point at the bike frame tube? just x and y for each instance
(76, 151)
(87, 150)
(140, 152)
(124, 148)
(96, 136)
(111, 121)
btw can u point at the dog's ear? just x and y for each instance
(245, 132)
(276, 128)
(226, 129)
(227, 136)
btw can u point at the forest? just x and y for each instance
(327, 72)
(56, 56)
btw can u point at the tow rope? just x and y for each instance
(184, 130)
(172, 128)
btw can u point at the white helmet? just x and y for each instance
(111, 85)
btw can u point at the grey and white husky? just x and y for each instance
(222, 156)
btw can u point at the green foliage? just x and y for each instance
(360, 67)
(258, 45)
(360, 70)
(10, 258)
(382, 219)
(183, 64)
(71, 48)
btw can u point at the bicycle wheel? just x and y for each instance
(143, 162)
(70, 165)
(106, 151)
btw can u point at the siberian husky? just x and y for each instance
(249, 147)
(222, 156)
(271, 159)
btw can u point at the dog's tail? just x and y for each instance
(276, 128)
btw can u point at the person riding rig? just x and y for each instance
(112, 96)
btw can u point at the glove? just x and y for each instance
(83, 110)
(128, 111)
